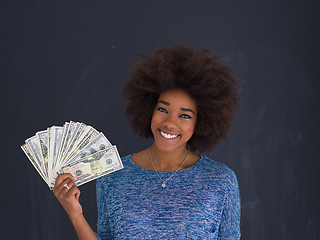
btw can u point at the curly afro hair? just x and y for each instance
(201, 73)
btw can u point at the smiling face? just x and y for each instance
(173, 120)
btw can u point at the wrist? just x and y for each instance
(76, 218)
(83, 229)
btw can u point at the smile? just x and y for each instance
(167, 135)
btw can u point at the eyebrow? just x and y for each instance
(183, 109)
(164, 102)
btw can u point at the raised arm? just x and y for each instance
(67, 193)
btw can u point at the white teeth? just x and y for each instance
(168, 136)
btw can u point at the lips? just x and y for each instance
(168, 135)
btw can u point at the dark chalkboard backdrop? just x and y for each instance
(67, 60)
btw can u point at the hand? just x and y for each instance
(68, 198)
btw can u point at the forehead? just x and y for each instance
(179, 98)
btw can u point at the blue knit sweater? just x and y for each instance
(200, 202)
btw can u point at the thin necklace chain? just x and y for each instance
(164, 181)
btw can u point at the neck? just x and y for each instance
(167, 161)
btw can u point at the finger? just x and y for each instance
(62, 177)
(63, 189)
(59, 184)
(77, 195)
(60, 188)
(67, 184)
(73, 192)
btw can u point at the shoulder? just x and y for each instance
(220, 176)
(213, 165)
(126, 160)
(217, 170)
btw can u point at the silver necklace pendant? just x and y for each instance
(164, 182)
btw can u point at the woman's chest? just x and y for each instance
(181, 209)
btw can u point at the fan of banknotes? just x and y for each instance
(75, 148)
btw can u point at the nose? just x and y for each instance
(170, 122)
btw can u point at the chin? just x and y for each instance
(169, 147)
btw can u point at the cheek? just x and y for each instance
(154, 121)
(190, 128)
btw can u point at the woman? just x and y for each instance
(185, 100)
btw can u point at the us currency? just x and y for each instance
(49, 149)
(67, 139)
(68, 133)
(94, 165)
(71, 130)
(42, 137)
(62, 142)
(97, 144)
(55, 140)
(86, 137)
(82, 134)
(78, 130)
(52, 149)
(33, 161)
(32, 143)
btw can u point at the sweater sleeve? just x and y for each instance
(103, 227)
(229, 228)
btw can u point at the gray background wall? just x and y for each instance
(67, 60)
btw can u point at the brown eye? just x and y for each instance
(161, 109)
(186, 116)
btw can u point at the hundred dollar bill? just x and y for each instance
(78, 130)
(94, 165)
(73, 129)
(62, 141)
(97, 144)
(55, 140)
(86, 137)
(29, 154)
(42, 137)
(49, 149)
(52, 149)
(32, 144)
(67, 138)
(100, 142)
